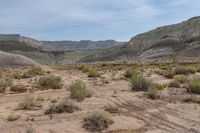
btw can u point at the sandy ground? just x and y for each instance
(138, 113)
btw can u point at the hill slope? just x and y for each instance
(31, 48)
(8, 59)
(83, 45)
(178, 40)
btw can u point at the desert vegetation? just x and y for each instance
(65, 105)
(5, 82)
(68, 96)
(50, 82)
(185, 70)
(194, 86)
(97, 121)
(78, 90)
(29, 103)
(139, 83)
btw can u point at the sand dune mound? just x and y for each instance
(8, 59)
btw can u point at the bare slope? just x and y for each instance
(178, 40)
(82, 45)
(8, 59)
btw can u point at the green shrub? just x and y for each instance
(153, 93)
(165, 67)
(112, 109)
(168, 74)
(64, 106)
(130, 72)
(185, 70)
(159, 86)
(97, 121)
(13, 117)
(174, 83)
(19, 88)
(78, 90)
(33, 71)
(93, 73)
(4, 83)
(52, 82)
(139, 83)
(40, 98)
(194, 86)
(84, 68)
(180, 78)
(17, 76)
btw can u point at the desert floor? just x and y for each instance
(138, 113)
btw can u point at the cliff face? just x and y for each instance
(79, 45)
(178, 40)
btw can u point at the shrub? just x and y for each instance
(174, 83)
(153, 93)
(97, 121)
(84, 68)
(139, 83)
(194, 86)
(112, 109)
(64, 106)
(185, 70)
(52, 81)
(78, 90)
(168, 74)
(19, 88)
(28, 104)
(180, 78)
(130, 72)
(93, 73)
(40, 98)
(198, 68)
(5, 82)
(192, 99)
(159, 86)
(33, 71)
(165, 67)
(13, 117)
(17, 76)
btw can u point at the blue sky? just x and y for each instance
(91, 19)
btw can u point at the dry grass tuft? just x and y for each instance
(4, 83)
(174, 83)
(29, 103)
(194, 86)
(78, 90)
(19, 88)
(66, 105)
(97, 121)
(112, 109)
(13, 117)
(139, 83)
(50, 82)
(185, 70)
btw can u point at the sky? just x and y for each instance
(91, 19)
